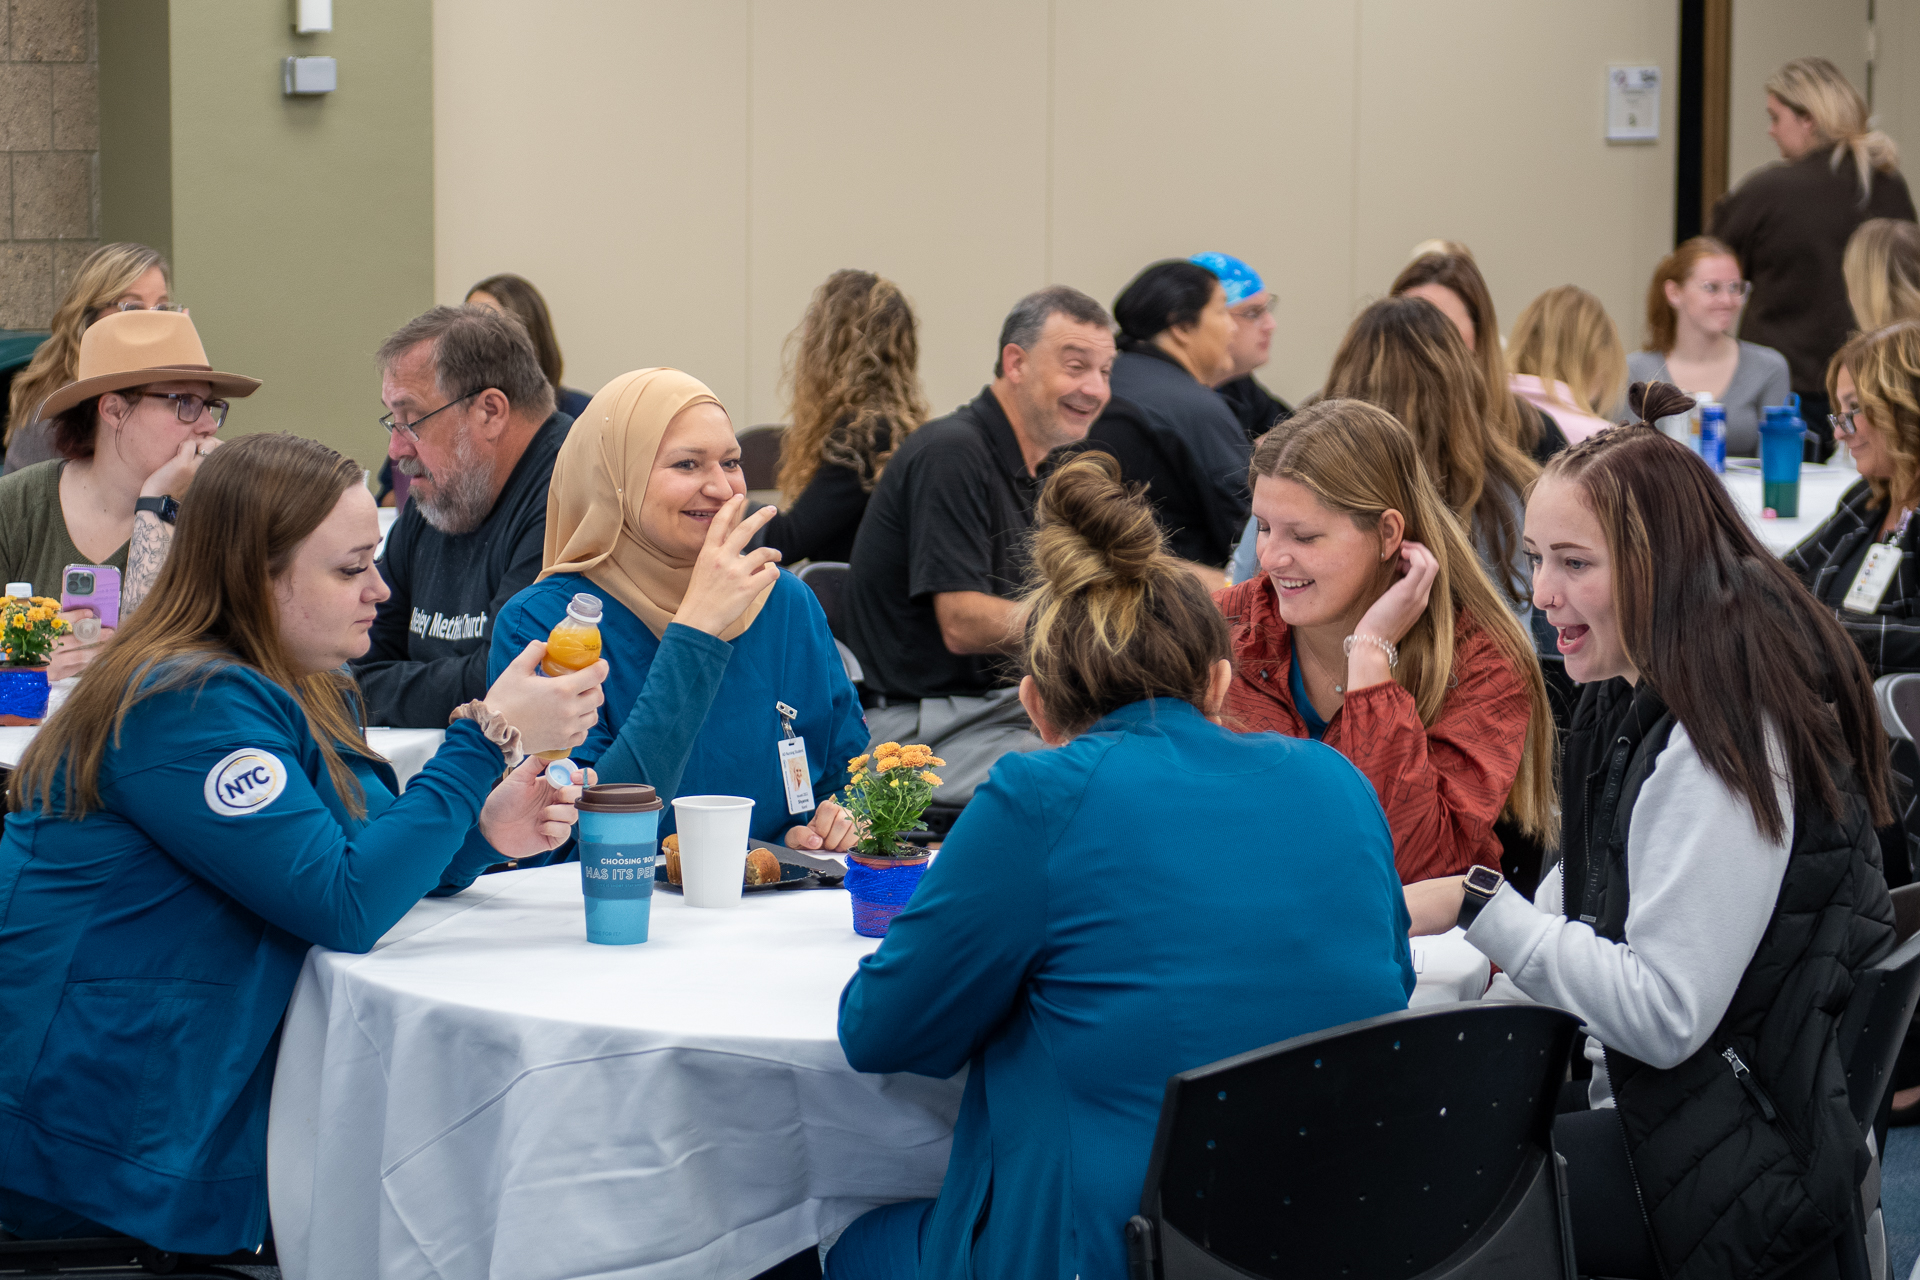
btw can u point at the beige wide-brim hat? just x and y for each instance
(133, 348)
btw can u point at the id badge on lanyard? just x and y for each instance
(1877, 571)
(793, 763)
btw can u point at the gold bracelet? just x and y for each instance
(495, 727)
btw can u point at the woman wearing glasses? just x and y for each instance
(130, 429)
(1693, 305)
(114, 277)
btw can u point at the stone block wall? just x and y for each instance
(49, 153)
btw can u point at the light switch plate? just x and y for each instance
(309, 75)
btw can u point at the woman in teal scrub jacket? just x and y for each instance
(202, 810)
(706, 640)
(1155, 894)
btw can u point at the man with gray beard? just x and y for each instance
(471, 420)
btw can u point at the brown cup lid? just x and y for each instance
(618, 797)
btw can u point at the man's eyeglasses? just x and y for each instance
(129, 304)
(1252, 311)
(411, 430)
(186, 406)
(1731, 288)
(1843, 423)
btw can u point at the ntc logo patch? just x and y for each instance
(245, 782)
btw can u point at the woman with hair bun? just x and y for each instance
(1718, 889)
(1372, 627)
(1789, 222)
(1026, 953)
(1165, 424)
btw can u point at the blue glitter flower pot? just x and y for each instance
(880, 889)
(23, 695)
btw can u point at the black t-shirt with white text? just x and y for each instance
(430, 638)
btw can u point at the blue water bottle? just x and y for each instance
(1782, 448)
(1713, 436)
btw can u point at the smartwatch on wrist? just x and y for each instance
(1482, 884)
(163, 506)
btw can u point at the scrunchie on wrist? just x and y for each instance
(495, 726)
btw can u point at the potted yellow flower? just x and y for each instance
(29, 625)
(887, 796)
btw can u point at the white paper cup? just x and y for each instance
(713, 848)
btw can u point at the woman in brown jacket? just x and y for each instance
(1789, 222)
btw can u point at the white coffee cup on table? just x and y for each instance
(713, 848)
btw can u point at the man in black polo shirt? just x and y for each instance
(931, 609)
(472, 422)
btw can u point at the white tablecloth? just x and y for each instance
(408, 749)
(1820, 490)
(488, 1095)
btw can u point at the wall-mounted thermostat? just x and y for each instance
(308, 75)
(1633, 104)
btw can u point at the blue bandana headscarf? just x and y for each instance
(1240, 280)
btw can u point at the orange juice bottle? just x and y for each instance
(573, 644)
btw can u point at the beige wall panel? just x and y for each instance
(1768, 33)
(599, 149)
(1487, 123)
(302, 227)
(1216, 125)
(909, 140)
(1896, 76)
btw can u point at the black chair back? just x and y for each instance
(1417, 1143)
(1906, 911)
(1874, 1024)
(760, 455)
(828, 578)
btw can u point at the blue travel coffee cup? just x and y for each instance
(619, 826)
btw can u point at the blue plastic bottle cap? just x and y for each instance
(560, 773)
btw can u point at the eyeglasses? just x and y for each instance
(1251, 311)
(1732, 288)
(186, 406)
(1843, 423)
(129, 304)
(412, 429)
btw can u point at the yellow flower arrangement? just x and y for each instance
(28, 629)
(887, 792)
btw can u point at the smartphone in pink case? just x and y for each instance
(95, 587)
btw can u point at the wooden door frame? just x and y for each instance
(1705, 89)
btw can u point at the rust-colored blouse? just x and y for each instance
(1442, 785)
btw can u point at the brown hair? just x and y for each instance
(1565, 335)
(853, 371)
(1882, 270)
(1816, 90)
(1403, 355)
(1454, 269)
(254, 501)
(475, 348)
(98, 282)
(1885, 368)
(524, 303)
(1675, 267)
(1358, 460)
(1720, 628)
(1112, 618)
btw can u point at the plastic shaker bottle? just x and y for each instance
(1782, 436)
(619, 826)
(572, 645)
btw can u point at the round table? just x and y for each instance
(486, 1094)
(1821, 486)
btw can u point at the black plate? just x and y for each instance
(792, 876)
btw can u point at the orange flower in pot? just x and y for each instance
(888, 795)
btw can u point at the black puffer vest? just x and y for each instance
(1744, 1154)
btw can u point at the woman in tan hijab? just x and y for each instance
(707, 641)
